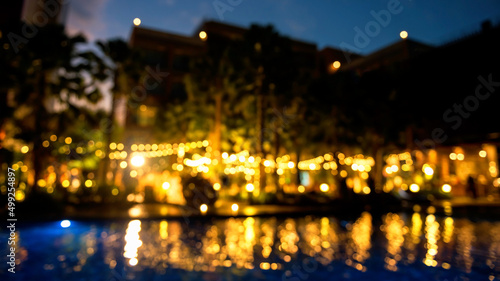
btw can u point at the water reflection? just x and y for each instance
(395, 230)
(400, 241)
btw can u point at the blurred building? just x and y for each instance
(171, 54)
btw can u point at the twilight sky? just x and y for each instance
(324, 22)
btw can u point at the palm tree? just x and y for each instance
(49, 79)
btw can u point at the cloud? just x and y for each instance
(85, 16)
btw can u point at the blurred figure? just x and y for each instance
(471, 186)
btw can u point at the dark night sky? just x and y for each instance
(325, 22)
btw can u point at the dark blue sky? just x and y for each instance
(324, 22)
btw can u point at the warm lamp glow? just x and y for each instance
(234, 207)
(336, 64)
(446, 188)
(324, 187)
(203, 35)
(25, 149)
(165, 186)
(482, 153)
(414, 188)
(403, 34)
(428, 171)
(137, 21)
(250, 187)
(203, 208)
(137, 161)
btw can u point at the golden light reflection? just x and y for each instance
(448, 230)
(432, 236)
(288, 236)
(273, 243)
(358, 246)
(133, 242)
(395, 230)
(268, 229)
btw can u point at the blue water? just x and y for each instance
(383, 247)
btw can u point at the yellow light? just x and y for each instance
(88, 183)
(216, 186)
(53, 138)
(446, 188)
(394, 168)
(250, 187)
(428, 171)
(336, 64)
(68, 140)
(25, 149)
(123, 164)
(267, 163)
(41, 183)
(251, 159)
(354, 167)
(388, 170)
(19, 195)
(234, 207)
(482, 153)
(137, 161)
(133, 261)
(496, 182)
(366, 190)
(324, 187)
(343, 173)
(134, 147)
(312, 166)
(65, 183)
(137, 21)
(242, 158)
(414, 187)
(203, 35)
(120, 146)
(403, 34)
(453, 156)
(112, 146)
(301, 189)
(133, 173)
(232, 157)
(165, 185)
(224, 155)
(203, 208)
(115, 191)
(291, 165)
(45, 143)
(460, 157)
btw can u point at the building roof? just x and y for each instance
(143, 34)
(396, 52)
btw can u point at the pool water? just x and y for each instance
(383, 247)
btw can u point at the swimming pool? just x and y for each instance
(392, 246)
